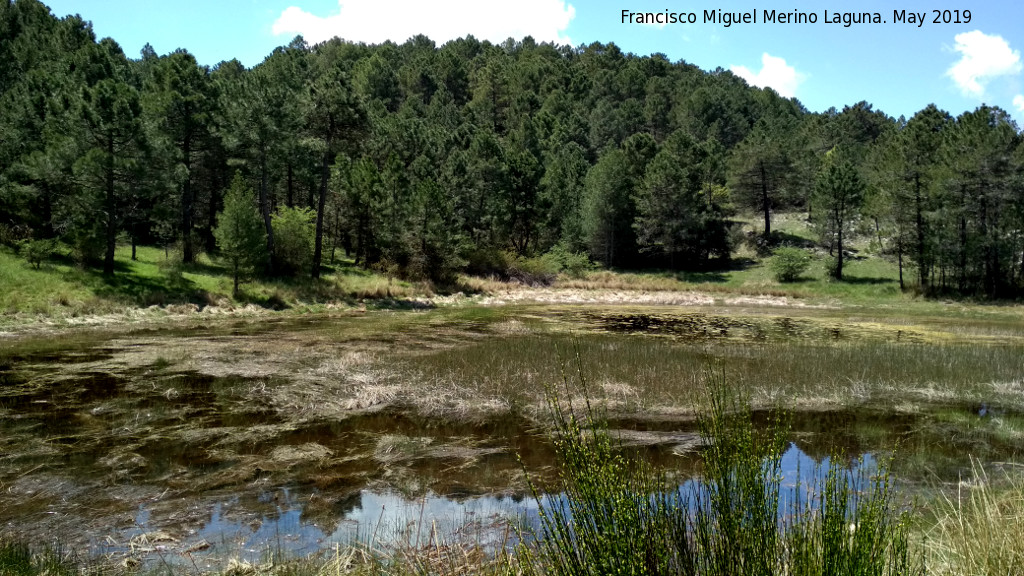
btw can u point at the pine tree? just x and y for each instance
(838, 196)
(239, 232)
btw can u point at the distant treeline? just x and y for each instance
(434, 160)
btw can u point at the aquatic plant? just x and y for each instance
(618, 515)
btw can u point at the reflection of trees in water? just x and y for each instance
(327, 511)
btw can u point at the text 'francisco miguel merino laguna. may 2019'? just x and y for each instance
(726, 18)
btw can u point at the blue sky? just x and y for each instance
(900, 68)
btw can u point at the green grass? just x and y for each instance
(868, 280)
(651, 373)
(867, 277)
(20, 559)
(61, 289)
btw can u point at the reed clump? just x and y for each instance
(618, 515)
(980, 530)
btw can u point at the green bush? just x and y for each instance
(13, 235)
(832, 267)
(535, 271)
(487, 261)
(87, 246)
(789, 264)
(36, 251)
(573, 264)
(294, 238)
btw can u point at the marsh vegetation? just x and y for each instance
(220, 440)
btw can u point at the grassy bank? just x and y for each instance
(61, 289)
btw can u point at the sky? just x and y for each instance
(898, 67)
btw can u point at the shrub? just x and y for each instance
(13, 234)
(832, 267)
(789, 264)
(294, 237)
(36, 251)
(535, 271)
(487, 261)
(87, 245)
(573, 264)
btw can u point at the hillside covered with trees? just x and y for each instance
(427, 161)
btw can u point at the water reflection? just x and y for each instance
(291, 524)
(378, 519)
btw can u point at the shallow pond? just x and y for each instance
(242, 439)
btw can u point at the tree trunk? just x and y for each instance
(291, 186)
(211, 240)
(766, 204)
(265, 207)
(839, 258)
(318, 246)
(111, 208)
(922, 267)
(899, 258)
(962, 281)
(187, 250)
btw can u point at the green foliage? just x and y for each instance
(832, 267)
(608, 210)
(609, 519)
(572, 264)
(681, 205)
(837, 199)
(539, 270)
(618, 515)
(14, 236)
(472, 147)
(788, 264)
(16, 559)
(239, 232)
(86, 241)
(535, 271)
(19, 559)
(37, 251)
(762, 171)
(854, 527)
(294, 238)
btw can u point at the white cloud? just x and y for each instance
(374, 21)
(775, 73)
(1018, 102)
(982, 58)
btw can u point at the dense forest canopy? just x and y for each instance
(430, 160)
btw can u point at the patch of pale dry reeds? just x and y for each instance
(980, 530)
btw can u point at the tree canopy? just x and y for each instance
(425, 159)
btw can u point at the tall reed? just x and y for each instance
(981, 530)
(619, 516)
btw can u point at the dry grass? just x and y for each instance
(980, 531)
